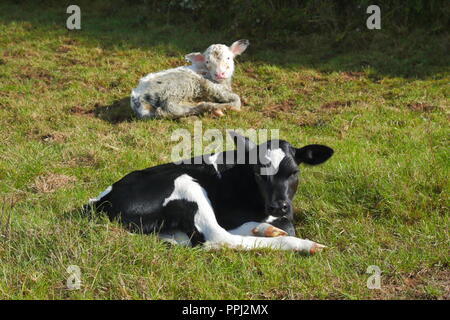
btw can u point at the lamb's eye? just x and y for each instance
(207, 62)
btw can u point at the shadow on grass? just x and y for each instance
(415, 54)
(117, 112)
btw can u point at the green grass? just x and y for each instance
(381, 200)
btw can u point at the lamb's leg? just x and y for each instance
(223, 96)
(214, 107)
(228, 100)
(175, 110)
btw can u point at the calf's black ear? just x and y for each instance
(241, 141)
(313, 154)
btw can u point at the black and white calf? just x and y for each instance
(215, 203)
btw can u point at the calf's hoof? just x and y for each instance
(316, 247)
(267, 230)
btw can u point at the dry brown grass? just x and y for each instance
(51, 182)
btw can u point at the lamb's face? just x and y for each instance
(218, 59)
(219, 62)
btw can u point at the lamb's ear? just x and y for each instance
(239, 46)
(195, 57)
(313, 154)
(241, 141)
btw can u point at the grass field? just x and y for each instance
(382, 200)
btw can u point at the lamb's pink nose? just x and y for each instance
(219, 75)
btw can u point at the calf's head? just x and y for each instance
(274, 164)
(218, 59)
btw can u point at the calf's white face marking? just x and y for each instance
(213, 160)
(271, 219)
(274, 157)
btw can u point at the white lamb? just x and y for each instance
(203, 86)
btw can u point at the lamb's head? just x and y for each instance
(218, 60)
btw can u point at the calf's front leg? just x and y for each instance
(215, 236)
(277, 243)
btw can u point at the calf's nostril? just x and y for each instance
(280, 207)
